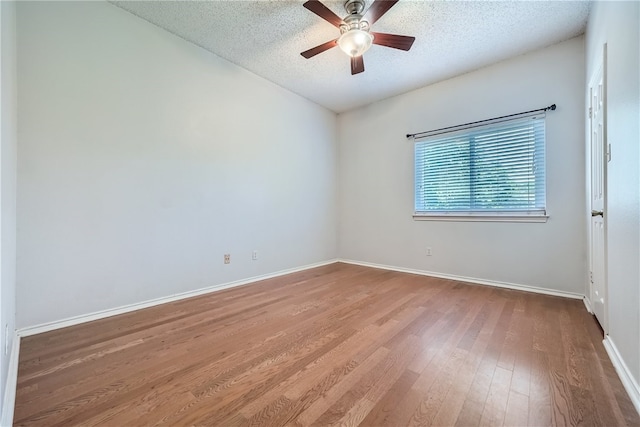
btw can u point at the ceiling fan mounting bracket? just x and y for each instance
(354, 7)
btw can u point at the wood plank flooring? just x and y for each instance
(339, 344)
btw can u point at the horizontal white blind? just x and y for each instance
(494, 168)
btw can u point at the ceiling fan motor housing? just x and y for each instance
(354, 21)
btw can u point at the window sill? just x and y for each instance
(481, 217)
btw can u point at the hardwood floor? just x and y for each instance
(336, 344)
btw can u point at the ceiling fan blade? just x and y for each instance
(357, 65)
(319, 49)
(323, 12)
(393, 40)
(377, 9)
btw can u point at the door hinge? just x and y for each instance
(590, 112)
(608, 152)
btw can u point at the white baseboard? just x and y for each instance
(10, 386)
(587, 304)
(469, 279)
(629, 383)
(76, 320)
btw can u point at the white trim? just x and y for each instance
(629, 383)
(10, 386)
(76, 320)
(497, 284)
(587, 304)
(481, 218)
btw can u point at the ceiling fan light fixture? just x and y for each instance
(355, 42)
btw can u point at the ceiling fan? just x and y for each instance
(355, 37)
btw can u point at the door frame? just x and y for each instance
(600, 68)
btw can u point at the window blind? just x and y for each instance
(495, 168)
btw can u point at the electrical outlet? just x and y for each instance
(227, 258)
(429, 252)
(254, 255)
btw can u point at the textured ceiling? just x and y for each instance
(452, 38)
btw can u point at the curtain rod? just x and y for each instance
(413, 135)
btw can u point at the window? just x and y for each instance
(495, 170)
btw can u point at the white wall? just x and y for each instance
(8, 185)
(617, 25)
(376, 177)
(143, 159)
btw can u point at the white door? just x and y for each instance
(598, 187)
